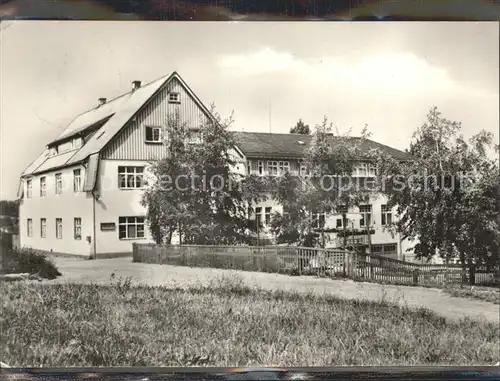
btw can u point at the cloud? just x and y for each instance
(260, 62)
(384, 72)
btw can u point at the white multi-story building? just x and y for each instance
(82, 195)
(270, 154)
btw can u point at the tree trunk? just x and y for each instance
(368, 236)
(464, 267)
(344, 223)
(472, 270)
(352, 236)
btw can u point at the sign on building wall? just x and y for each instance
(108, 226)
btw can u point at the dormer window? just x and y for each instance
(77, 142)
(174, 97)
(153, 134)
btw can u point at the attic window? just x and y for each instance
(77, 142)
(153, 134)
(174, 97)
(300, 142)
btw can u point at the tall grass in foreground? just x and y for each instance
(225, 324)
(488, 294)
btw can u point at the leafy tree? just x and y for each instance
(447, 196)
(9, 208)
(330, 160)
(193, 192)
(300, 128)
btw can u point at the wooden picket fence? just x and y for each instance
(312, 261)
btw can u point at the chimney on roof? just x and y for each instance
(136, 85)
(101, 101)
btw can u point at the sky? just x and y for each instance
(384, 75)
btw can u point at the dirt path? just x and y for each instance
(99, 271)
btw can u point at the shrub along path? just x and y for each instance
(100, 271)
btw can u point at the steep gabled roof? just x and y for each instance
(119, 111)
(280, 145)
(113, 115)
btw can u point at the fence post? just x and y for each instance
(344, 264)
(299, 264)
(134, 252)
(415, 276)
(372, 275)
(472, 274)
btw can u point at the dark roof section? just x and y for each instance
(80, 130)
(271, 145)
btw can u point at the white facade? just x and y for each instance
(67, 206)
(383, 241)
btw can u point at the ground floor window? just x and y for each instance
(30, 227)
(43, 227)
(318, 220)
(267, 215)
(78, 228)
(59, 228)
(366, 215)
(131, 227)
(258, 216)
(385, 249)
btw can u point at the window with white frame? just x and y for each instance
(77, 228)
(258, 216)
(372, 170)
(342, 209)
(386, 215)
(59, 184)
(283, 167)
(195, 136)
(153, 134)
(130, 177)
(43, 186)
(174, 97)
(77, 142)
(131, 227)
(366, 215)
(267, 215)
(318, 220)
(77, 180)
(361, 169)
(30, 227)
(261, 167)
(43, 228)
(59, 228)
(272, 168)
(29, 188)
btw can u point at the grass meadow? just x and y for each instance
(225, 324)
